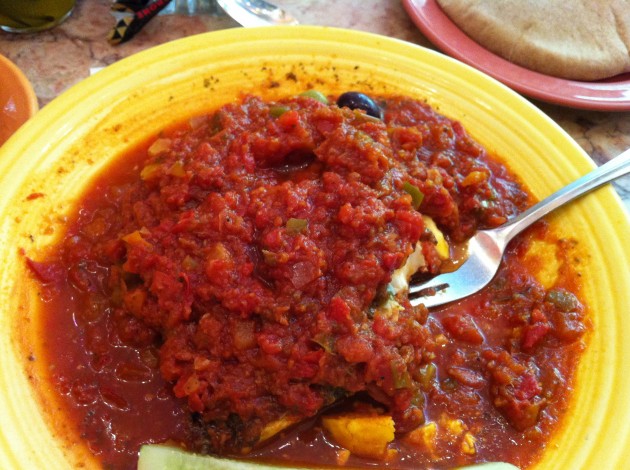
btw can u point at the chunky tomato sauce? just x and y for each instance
(233, 274)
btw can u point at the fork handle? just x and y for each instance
(613, 169)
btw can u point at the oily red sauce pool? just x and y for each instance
(233, 274)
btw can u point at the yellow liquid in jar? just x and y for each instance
(33, 15)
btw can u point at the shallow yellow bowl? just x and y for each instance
(55, 154)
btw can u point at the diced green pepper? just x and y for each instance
(426, 376)
(295, 226)
(416, 195)
(316, 95)
(277, 111)
(562, 299)
(270, 257)
(400, 374)
(326, 341)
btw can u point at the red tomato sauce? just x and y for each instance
(233, 272)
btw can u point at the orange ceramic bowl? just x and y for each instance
(17, 99)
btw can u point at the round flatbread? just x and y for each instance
(573, 39)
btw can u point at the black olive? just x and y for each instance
(356, 100)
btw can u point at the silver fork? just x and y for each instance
(486, 248)
(250, 13)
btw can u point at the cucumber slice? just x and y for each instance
(161, 457)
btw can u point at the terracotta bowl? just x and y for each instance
(56, 154)
(17, 99)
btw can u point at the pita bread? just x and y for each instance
(574, 39)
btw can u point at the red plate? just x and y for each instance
(612, 94)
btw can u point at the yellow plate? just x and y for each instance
(72, 138)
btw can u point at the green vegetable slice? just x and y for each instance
(295, 226)
(562, 299)
(277, 111)
(160, 457)
(316, 95)
(400, 374)
(416, 195)
(426, 376)
(326, 341)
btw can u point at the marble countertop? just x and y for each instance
(57, 59)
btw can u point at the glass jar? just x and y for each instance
(26, 16)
